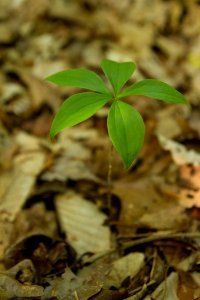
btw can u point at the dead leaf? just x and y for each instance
(83, 223)
(11, 288)
(144, 205)
(168, 121)
(126, 266)
(27, 167)
(167, 289)
(179, 152)
(70, 286)
(190, 192)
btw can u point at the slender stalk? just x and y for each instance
(109, 176)
(76, 295)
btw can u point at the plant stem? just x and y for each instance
(76, 295)
(109, 176)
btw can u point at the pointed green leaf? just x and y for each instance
(126, 131)
(154, 89)
(76, 109)
(117, 73)
(81, 78)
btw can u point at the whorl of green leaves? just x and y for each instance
(125, 124)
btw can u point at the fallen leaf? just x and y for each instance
(70, 286)
(179, 152)
(189, 195)
(143, 204)
(83, 223)
(167, 289)
(126, 266)
(168, 124)
(11, 288)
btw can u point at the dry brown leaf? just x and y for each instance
(167, 289)
(188, 182)
(72, 157)
(37, 93)
(11, 288)
(67, 11)
(35, 220)
(191, 23)
(83, 223)
(18, 182)
(126, 266)
(179, 152)
(65, 168)
(70, 286)
(14, 99)
(190, 192)
(144, 204)
(172, 218)
(194, 121)
(27, 167)
(168, 124)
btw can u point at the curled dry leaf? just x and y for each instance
(27, 167)
(179, 152)
(167, 289)
(19, 182)
(83, 223)
(70, 286)
(124, 267)
(189, 172)
(11, 288)
(168, 124)
(143, 205)
(190, 192)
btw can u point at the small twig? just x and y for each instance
(162, 236)
(149, 239)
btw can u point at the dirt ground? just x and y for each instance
(61, 235)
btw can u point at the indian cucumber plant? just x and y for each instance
(125, 125)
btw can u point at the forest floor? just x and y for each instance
(61, 237)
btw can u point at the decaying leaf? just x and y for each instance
(70, 286)
(127, 266)
(179, 152)
(168, 124)
(190, 192)
(27, 167)
(167, 289)
(18, 185)
(83, 223)
(144, 205)
(11, 288)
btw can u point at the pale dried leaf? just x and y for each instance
(83, 223)
(69, 285)
(167, 289)
(179, 152)
(65, 168)
(151, 203)
(189, 195)
(12, 288)
(27, 167)
(168, 121)
(124, 267)
(166, 219)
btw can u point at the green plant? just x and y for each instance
(125, 125)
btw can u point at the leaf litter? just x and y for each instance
(60, 237)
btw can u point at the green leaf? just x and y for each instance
(76, 109)
(81, 78)
(154, 89)
(117, 73)
(126, 131)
